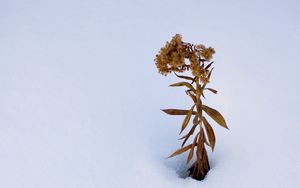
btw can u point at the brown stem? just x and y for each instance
(199, 102)
(200, 167)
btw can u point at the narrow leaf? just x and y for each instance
(209, 74)
(205, 140)
(194, 79)
(184, 77)
(177, 111)
(191, 132)
(201, 137)
(212, 90)
(187, 119)
(190, 156)
(210, 133)
(183, 84)
(200, 145)
(192, 96)
(215, 115)
(207, 66)
(186, 137)
(181, 150)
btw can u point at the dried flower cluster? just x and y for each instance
(171, 58)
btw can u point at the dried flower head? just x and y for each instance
(206, 53)
(171, 58)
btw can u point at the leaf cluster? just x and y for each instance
(205, 134)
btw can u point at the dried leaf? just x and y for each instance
(209, 74)
(190, 156)
(215, 115)
(194, 80)
(200, 145)
(205, 140)
(187, 119)
(191, 132)
(181, 150)
(207, 66)
(192, 96)
(212, 90)
(177, 111)
(183, 84)
(187, 136)
(184, 77)
(210, 133)
(201, 137)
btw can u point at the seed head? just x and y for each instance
(171, 58)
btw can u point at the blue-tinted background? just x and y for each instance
(80, 94)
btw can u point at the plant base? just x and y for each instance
(200, 167)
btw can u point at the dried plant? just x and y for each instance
(173, 57)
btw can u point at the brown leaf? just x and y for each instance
(177, 111)
(212, 90)
(181, 150)
(187, 119)
(205, 140)
(210, 133)
(209, 74)
(191, 132)
(184, 77)
(192, 96)
(215, 115)
(200, 145)
(186, 137)
(207, 66)
(201, 137)
(190, 156)
(183, 84)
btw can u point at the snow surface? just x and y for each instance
(80, 95)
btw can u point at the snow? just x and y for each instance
(80, 95)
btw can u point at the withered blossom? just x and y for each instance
(206, 53)
(172, 58)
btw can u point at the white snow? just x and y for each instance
(80, 94)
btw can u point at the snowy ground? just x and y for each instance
(80, 95)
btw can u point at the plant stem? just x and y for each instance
(199, 102)
(200, 167)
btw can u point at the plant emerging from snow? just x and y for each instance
(172, 58)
